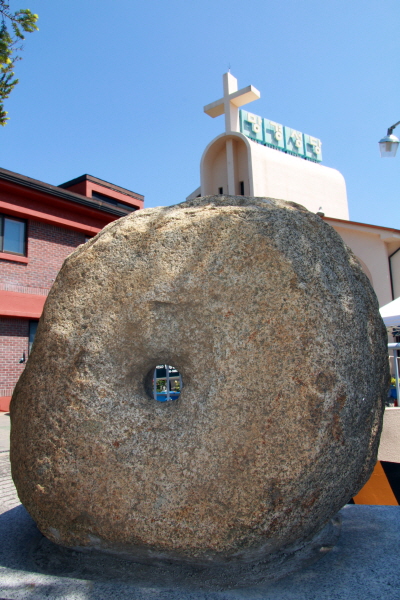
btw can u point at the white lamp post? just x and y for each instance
(389, 144)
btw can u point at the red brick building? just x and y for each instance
(40, 225)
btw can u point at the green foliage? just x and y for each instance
(12, 29)
(161, 383)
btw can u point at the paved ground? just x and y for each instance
(8, 494)
(363, 565)
(4, 431)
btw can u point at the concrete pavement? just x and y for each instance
(4, 432)
(8, 493)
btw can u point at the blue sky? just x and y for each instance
(117, 89)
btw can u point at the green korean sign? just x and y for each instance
(280, 137)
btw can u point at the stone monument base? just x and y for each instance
(363, 565)
(50, 558)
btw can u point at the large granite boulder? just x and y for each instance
(275, 330)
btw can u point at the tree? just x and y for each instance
(20, 22)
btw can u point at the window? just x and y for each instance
(104, 197)
(32, 332)
(111, 200)
(167, 383)
(12, 235)
(241, 184)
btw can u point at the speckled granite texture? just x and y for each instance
(275, 329)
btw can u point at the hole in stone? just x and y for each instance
(167, 383)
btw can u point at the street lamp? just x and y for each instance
(389, 144)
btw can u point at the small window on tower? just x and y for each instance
(241, 185)
(32, 332)
(220, 190)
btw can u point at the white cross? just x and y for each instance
(230, 103)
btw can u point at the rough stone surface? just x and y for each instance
(276, 331)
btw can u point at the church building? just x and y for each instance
(259, 157)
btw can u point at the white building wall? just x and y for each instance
(219, 173)
(273, 174)
(213, 169)
(241, 168)
(389, 447)
(286, 177)
(370, 246)
(395, 269)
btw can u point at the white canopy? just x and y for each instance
(390, 313)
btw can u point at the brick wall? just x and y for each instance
(47, 248)
(14, 340)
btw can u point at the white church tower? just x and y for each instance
(258, 157)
